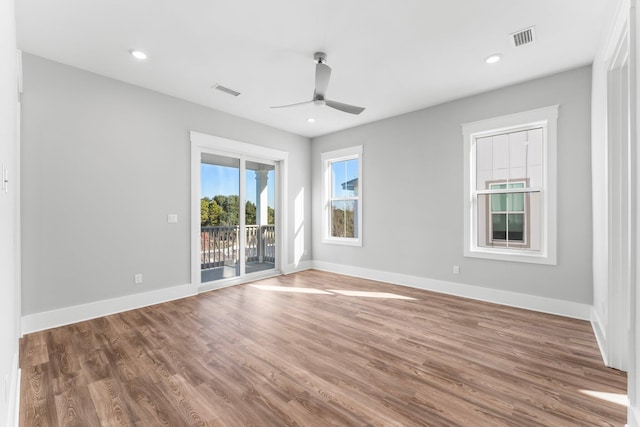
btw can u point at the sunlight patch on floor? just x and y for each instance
(364, 294)
(620, 399)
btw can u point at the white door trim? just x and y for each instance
(620, 199)
(200, 143)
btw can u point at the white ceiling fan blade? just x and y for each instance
(344, 107)
(323, 74)
(293, 105)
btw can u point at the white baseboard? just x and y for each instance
(77, 313)
(13, 413)
(16, 399)
(634, 416)
(513, 299)
(600, 332)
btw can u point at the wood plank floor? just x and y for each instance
(319, 349)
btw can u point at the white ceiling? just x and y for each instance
(389, 56)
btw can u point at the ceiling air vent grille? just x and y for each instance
(522, 37)
(225, 90)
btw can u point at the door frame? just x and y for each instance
(621, 199)
(204, 143)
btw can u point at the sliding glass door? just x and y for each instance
(237, 216)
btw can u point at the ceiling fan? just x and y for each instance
(323, 74)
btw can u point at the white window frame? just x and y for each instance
(545, 118)
(327, 159)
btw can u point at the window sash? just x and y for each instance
(506, 210)
(508, 242)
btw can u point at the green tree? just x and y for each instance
(271, 216)
(215, 213)
(342, 222)
(204, 211)
(221, 200)
(250, 213)
(211, 213)
(225, 210)
(232, 210)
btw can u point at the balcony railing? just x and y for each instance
(219, 245)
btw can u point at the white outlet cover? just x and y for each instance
(172, 218)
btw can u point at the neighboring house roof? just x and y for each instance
(350, 185)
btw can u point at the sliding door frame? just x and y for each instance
(204, 143)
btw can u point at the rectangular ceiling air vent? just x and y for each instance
(522, 37)
(225, 90)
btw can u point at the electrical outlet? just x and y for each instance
(172, 218)
(456, 269)
(137, 279)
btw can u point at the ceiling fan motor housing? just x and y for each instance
(320, 57)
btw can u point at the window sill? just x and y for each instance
(343, 242)
(530, 257)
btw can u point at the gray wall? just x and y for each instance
(413, 192)
(104, 162)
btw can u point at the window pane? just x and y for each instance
(517, 155)
(514, 156)
(344, 178)
(515, 202)
(516, 227)
(260, 232)
(498, 202)
(219, 217)
(500, 155)
(484, 162)
(499, 226)
(343, 218)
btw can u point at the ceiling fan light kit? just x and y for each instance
(323, 75)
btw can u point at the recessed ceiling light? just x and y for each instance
(311, 120)
(138, 54)
(492, 59)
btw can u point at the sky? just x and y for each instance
(342, 172)
(224, 180)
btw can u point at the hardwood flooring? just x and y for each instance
(319, 349)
